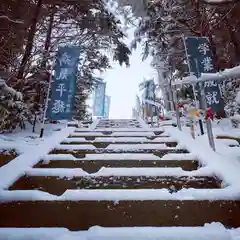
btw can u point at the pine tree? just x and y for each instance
(32, 32)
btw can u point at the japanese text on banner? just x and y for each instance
(201, 61)
(64, 84)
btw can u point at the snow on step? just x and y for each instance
(120, 139)
(117, 195)
(130, 133)
(128, 130)
(76, 147)
(104, 156)
(137, 146)
(118, 147)
(207, 232)
(179, 156)
(121, 156)
(114, 134)
(107, 172)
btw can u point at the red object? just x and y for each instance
(161, 117)
(180, 105)
(209, 114)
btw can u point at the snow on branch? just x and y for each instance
(5, 88)
(11, 20)
(217, 77)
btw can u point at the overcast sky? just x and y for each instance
(122, 83)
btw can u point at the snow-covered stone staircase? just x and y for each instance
(120, 173)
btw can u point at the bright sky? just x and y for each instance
(122, 84)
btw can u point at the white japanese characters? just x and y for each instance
(64, 73)
(211, 98)
(210, 84)
(58, 106)
(61, 89)
(203, 48)
(207, 64)
(66, 59)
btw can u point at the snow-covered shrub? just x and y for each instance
(231, 95)
(13, 112)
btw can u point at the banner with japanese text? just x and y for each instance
(99, 99)
(138, 106)
(149, 94)
(107, 106)
(63, 87)
(201, 61)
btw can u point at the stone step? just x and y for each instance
(82, 153)
(230, 138)
(92, 166)
(57, 186)
(81, 215)
(7, 156)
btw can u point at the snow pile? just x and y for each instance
(229, 148)
(225, 168)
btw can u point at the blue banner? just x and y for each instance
(201, 61)
(107, 106)
(149, 94)
(99, 99)
(138, 106)
(63, 87)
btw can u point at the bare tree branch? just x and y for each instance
(11, 20)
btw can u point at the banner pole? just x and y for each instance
(200, 120)
(46, 105)
(175, 101)
(208, 121)
(189, 68)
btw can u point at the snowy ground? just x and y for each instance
(229, 148)
(21, 140)
(226, 168)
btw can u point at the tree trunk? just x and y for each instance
(48, 39)
(214, 53)
(47, 44)
(30, 39)
(234, 40)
